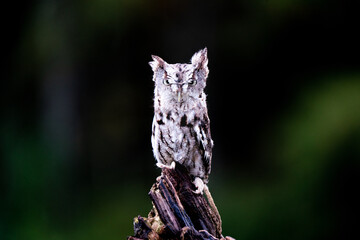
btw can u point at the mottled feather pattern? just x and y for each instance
(181, 126)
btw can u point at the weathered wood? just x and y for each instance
(178, 212)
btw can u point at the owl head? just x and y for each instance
(180, 82)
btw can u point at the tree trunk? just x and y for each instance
(178, 212)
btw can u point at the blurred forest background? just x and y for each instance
(76, 112)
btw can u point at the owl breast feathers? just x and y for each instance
(181, 126)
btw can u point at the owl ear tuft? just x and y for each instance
(157, 63)
(200, 60)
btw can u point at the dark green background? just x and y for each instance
(76, 112)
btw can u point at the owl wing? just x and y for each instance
(205, 142)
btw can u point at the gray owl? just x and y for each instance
(181, 126)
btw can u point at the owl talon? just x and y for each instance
(172, 165)
(199, 184)
(161, 165)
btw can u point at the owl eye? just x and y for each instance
(192, 82)
(166, 81)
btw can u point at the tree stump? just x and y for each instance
(178, 212)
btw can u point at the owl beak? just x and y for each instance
(179, 96)
(179, 91)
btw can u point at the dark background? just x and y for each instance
(76, 113)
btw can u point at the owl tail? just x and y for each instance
(216, 215)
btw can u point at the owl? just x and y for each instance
(181, 126)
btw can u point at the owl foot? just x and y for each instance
(200, 185)
(161, 165)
